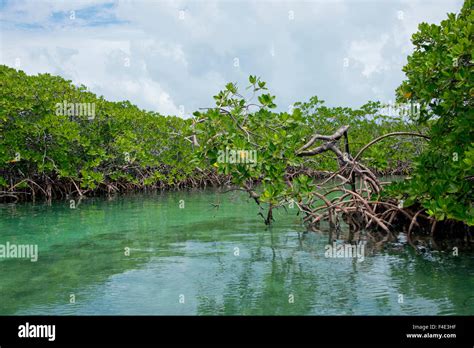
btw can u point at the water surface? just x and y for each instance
(188, 257)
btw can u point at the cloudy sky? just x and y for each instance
(173, 56)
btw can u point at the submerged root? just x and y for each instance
(383, 219)
(48, 188)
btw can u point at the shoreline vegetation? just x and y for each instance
(51, 150)
(60, 141)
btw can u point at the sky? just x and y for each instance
(173, 56)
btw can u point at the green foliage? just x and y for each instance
(118, 143)
(237, 123)
(392, 155)
(440, 77)
(123, 144)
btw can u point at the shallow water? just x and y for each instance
(183, 260)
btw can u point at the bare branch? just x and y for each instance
(332, 138)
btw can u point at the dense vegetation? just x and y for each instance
(49, 153)
(441, 79)
(49, 149)
(436, 199)
(52, 152)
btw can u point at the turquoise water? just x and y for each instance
(183, 260)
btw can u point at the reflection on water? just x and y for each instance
(209, 261)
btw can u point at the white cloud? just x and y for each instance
(369, 53)
(186, 61)
(150, 92)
